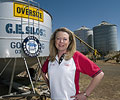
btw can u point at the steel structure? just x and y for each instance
(86, 35)
(25, 31)
(105, 37)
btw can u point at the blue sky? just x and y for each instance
(76, 13)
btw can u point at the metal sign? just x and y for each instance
(25, 11)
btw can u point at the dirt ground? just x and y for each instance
(108, 89)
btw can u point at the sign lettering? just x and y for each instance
(25, 11)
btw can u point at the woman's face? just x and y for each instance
(62, 41)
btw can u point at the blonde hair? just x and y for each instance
(71, 48)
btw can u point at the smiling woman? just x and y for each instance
(62, 41)
(62, 69)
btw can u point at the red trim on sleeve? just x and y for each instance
(85, 66)
(77, 74)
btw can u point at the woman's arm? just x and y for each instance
(95, 81)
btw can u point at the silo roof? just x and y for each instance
(104, 23)
(84, 28)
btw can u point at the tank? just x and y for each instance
(25, 31)
(105, 37)
(86, 35)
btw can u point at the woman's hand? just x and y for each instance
(79, 96)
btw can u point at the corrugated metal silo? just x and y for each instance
(86, 35)
(25, 31)
(105, 37)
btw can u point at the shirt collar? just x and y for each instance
(61, 58)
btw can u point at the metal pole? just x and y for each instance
(38, 69)
(29, 75)
(12, 77)
(39, 62)
(5, 67)
(86, 44)
(36, 74)
(39, 66)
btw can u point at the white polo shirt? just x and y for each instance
(64, 77)
(61, 78)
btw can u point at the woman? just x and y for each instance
(64, 66)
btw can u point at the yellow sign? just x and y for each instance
(25, 11)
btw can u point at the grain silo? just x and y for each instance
(25, 31)
(86, 35)
(105, 37)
